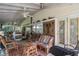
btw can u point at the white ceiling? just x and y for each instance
(14, 11)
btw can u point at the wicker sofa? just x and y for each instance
(45, 42)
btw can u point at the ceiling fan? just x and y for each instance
(25, 14)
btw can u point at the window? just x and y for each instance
(38, 27)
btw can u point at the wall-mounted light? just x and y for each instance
(44, 19)
(51, 17)
(34, 27)
(37, 27)
(37, 21)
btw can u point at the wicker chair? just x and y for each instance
(8, 44)
(45, 42)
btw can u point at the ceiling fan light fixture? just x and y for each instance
(25, 14)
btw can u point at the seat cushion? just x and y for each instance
(45, 45)
(46, 39)
(60, 51)
(42, 44)
(10, 46)
(41, 38)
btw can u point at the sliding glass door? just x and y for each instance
(73, 32)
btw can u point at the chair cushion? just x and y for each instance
(10, 46)
(44, 45)
(46, 39)
(41, 38)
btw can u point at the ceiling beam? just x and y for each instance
(16, 10)
(26, 5)
(4, 10)
(33, 4)
(20, 6)
(7, 12)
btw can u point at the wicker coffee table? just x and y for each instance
(30, 49)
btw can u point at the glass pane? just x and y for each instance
(34, 27)
(40, 28)
(61, 31)
(73, 32)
